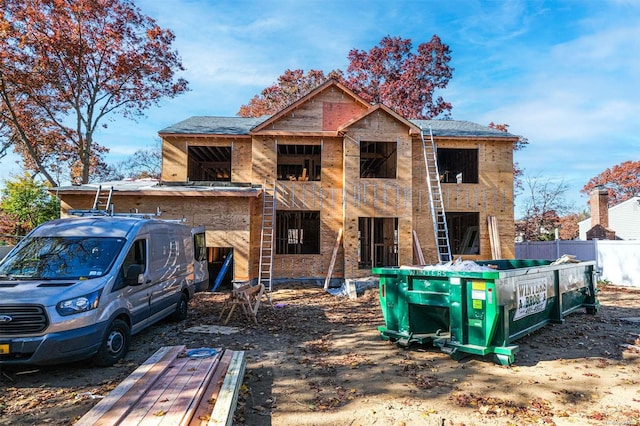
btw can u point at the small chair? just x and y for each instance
(248, 297)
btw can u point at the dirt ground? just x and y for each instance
(317, 359)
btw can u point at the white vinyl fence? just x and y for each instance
(618, 261)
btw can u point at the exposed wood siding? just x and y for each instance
(492, 196)
(371, 197)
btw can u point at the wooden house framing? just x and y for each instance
(333, 165)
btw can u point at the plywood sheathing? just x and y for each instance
(365, 197)
(491, 196)
(175, 156)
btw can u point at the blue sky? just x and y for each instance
(564, 74)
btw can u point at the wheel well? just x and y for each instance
(124, 317)
(185, 291)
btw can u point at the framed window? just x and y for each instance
(209, 163)
(458, 165)
(299, 162)
(378, 159)
(297, 232)
(377, 242)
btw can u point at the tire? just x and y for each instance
(182, 309)
(115, 344)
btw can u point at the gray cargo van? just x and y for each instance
(78, 288)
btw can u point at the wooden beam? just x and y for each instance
(225, 405)
(333, 259)
(417, 249)
(494, 238)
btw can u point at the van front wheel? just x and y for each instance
(115, 344)
(181, 308)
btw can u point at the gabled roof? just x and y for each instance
(244, 126)
(306, 98)
(241, 126)
(387, 110)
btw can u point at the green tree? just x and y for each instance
(27, 203)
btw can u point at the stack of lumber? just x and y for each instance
(174, 388)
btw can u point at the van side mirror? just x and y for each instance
(134, 274)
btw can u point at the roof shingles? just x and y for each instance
(206, 125)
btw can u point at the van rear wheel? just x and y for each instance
(182, 308)
(115, 344)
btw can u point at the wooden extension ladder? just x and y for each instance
(440, 229)
(265, 273)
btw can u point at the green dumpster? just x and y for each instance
(482, 313)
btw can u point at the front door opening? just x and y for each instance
(377, 242)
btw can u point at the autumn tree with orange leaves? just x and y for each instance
(390, 73)
(622, 182)
(65, 66)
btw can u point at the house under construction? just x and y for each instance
(330, 186)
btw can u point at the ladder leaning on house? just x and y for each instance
(103, 199)
(102, 205)
(440, 229)
(265, 273)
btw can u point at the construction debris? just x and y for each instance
(565, 258)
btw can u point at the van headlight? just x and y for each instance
(79, 304)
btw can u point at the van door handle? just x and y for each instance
(147, 281)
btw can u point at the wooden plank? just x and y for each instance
(494, 238)
(169, 401)
(156, 403)
(225, 405)
(210, 395)
(182, 407)
(333, 259)
(216, 368)
(117, 404)
(417, 249)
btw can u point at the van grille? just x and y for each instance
(22, 319)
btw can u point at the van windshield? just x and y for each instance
(61, 258)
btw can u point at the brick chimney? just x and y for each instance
(599, 203)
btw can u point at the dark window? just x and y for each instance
(200, 246)
(63, 258)
(464, 232)
(209, 163)
(377, 242)
(299, 162)
(378, 160)
(298, 232)
(135, 263)
(458, 165)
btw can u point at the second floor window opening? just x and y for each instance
(209, 163)
(458, 165)
(378, 159)
(299, 162)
